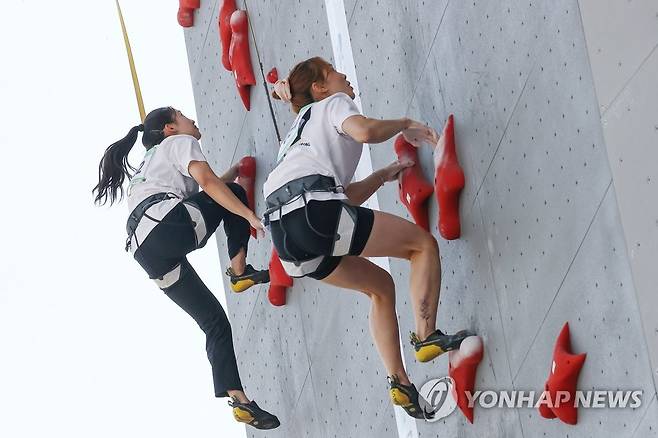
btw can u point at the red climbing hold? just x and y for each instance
(413, 187)
(228, 7)
(247, 179)
(190, 4)
(560, 388)
(448, 182)
(185, 17)
(279, 281)
(186, 12)
(463, 364)
(273, 76)
(277, 295)
(239, 56)
(278, 274)
(245, 95)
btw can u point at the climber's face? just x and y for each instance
(182, 125)
(335, 82)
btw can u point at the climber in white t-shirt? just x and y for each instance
(320, 230)
(170, 217)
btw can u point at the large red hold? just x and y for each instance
(185, 17)
(228, 7)
(448, 182)
(239, 55)
(413, 187)
(463, 364)
(247, 179)
(186, 12)
(560, 388)
(190, 4)
(279, 281)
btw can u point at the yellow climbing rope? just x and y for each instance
(131, 61)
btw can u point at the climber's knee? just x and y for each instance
(239, 192)
(421, 243)
(171, 278)
(217, 327)
(383, 288)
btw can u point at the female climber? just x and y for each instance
(320, 230)
(170, 217)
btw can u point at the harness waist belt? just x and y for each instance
(138, 212)
(299, 186)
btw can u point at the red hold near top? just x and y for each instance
(448, 182)
(413, 187)
(185, 17)
(228, 7)
(186, 12)
(239, 56)
(273, 76)
(190, 4)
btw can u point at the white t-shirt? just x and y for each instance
(164, 169)
(317, 144)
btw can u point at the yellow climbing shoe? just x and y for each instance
(250, 277)
(251, 414)
(436, 344)
(406, 396)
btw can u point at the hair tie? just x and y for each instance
(140, 127)
(282, 89)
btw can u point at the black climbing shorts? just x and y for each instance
(312, 240)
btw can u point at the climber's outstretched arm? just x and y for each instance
(366, 130)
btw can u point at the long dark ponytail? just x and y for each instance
(114, 165)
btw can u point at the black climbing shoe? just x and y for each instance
(240, 283)
(251, 414)
(437, 343)
(407, 398)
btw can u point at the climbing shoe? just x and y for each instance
(437, 343)
(407, 398)
(240, 283)
(252, 415)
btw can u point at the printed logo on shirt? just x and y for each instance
(140, 175)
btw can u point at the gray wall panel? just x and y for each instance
(620, 36)
(649, 426)
(624, 66)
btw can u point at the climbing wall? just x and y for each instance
(542, 240)
(311, 362)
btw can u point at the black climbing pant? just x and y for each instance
(163, 255)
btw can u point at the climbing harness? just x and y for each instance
(294, 190)
(140, 211)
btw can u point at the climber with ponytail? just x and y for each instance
(169, 218)
(114, 166)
